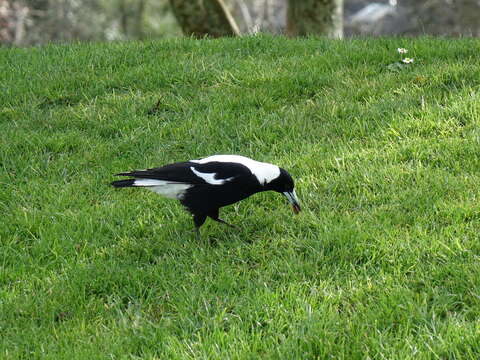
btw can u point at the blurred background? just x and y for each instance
(32, 22)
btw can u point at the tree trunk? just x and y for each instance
(468, 15)
(204, 17)
(139, 19)
(123, 17)
(315, 17)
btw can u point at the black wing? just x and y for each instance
(178, 172)
(182, 172)
(233, 172)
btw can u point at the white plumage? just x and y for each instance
(264, 172)
(169, 189)
(210, 177)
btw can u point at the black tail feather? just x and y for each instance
(123, 183)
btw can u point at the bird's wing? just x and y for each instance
(219, 173)
(175, 173)
(211, 173)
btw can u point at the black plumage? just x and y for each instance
(204, 186)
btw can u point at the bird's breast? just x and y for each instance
(204, 198)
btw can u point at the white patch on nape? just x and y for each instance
(169, 189)
(210, 177)
(264, 172)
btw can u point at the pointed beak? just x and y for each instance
(292, 198)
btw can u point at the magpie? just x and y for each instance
(204, 186)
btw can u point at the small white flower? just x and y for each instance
(402, 51)
(407, 60)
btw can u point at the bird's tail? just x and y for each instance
(123, 183)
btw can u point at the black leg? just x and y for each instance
(198, 219)
(214, 216)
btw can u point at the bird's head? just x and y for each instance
(284, 185)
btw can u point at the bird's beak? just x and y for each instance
(292, 198)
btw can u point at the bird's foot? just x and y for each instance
(224, 222)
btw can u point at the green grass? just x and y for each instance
(383, 263)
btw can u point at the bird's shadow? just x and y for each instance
(216, 234)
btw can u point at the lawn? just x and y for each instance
(383, 262)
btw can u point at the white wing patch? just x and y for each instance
(210, 177)
(264, 172)
(169, 189)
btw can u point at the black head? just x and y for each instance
(284, 184)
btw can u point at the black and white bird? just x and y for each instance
(204, 186)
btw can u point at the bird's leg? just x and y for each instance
(224, 222)
(198, 219)
(214, 216)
